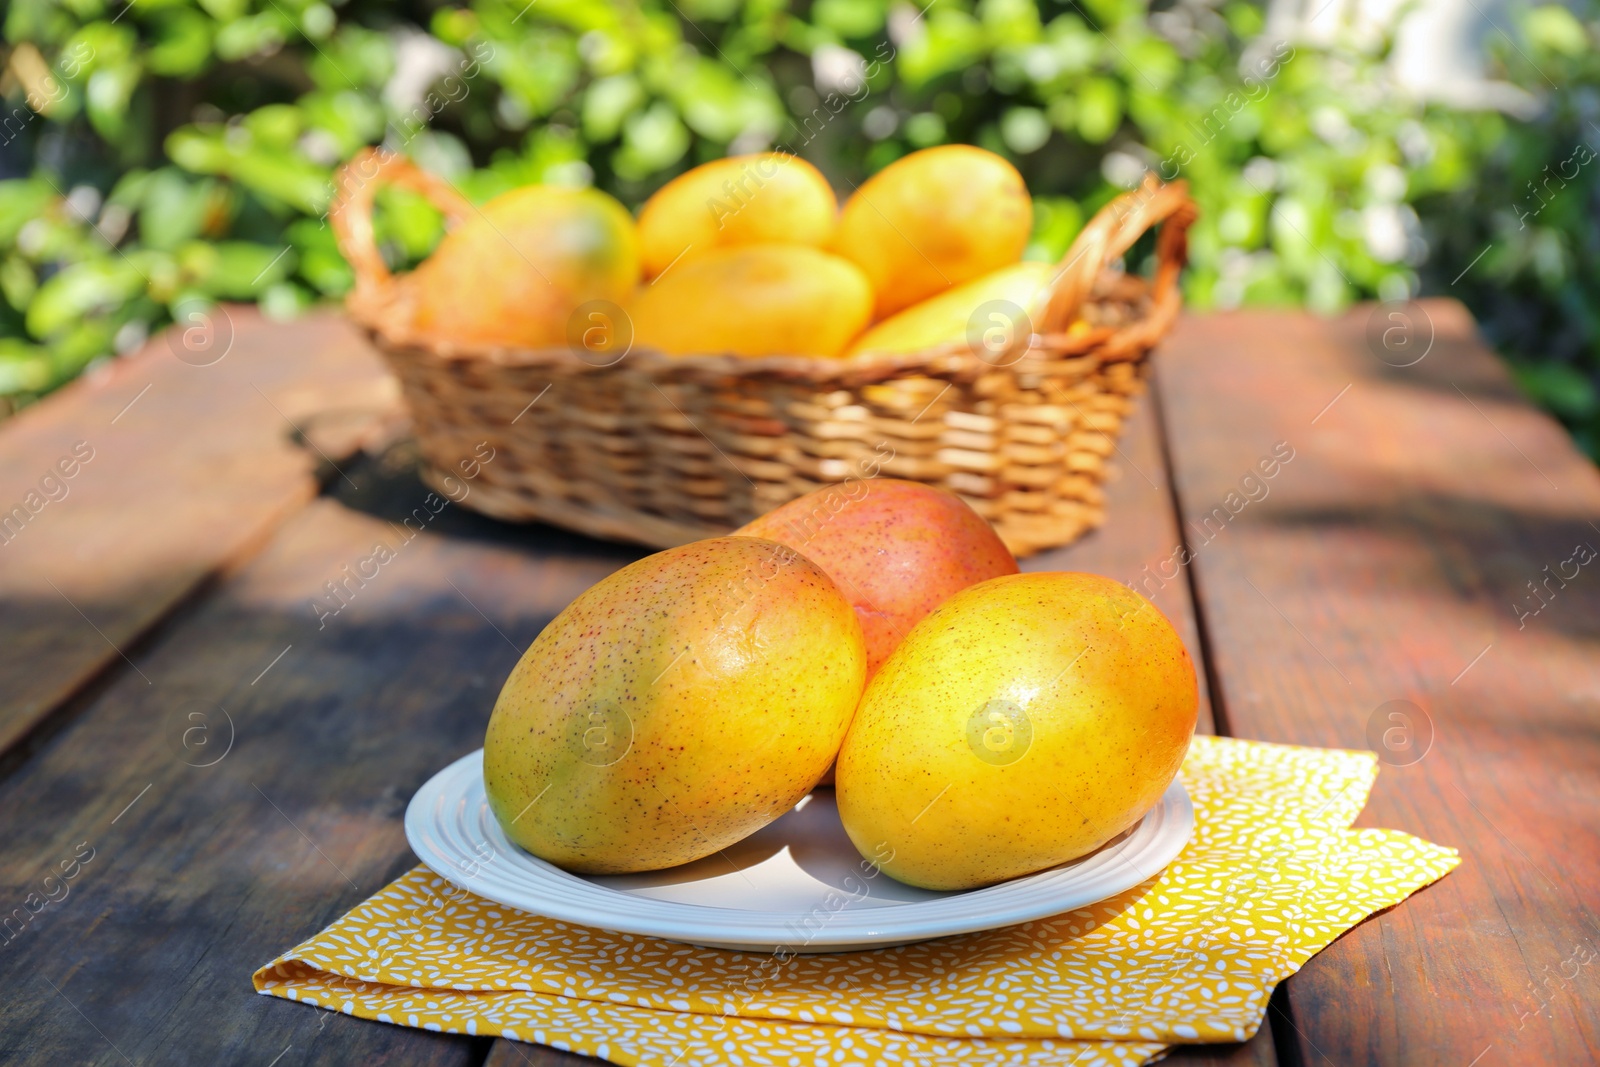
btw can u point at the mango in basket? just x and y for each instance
(754, 300)
(1005, 300)
(755, 199)
(896, 549)
(933, 220)
(517, 268)
(1025, 722)
(674, 708)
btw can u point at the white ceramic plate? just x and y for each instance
(797, 883)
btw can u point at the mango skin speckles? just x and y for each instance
(1025, 722)
(674, 708)
(897, 549)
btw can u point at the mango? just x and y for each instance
(754, 300)
(896, 549)
(1024, 723)
(674, 708)
(770, 197)
(954, 315)
(933, 220)
(516, 270)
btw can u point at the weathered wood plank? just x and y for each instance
(1257, 1052)
(505, 1053)
(201, 873)
(1388, 563)
(124, 491)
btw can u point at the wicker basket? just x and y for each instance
(663, 450)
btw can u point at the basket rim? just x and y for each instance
(380, 303)
(952, 359)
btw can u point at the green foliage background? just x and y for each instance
(169, 151)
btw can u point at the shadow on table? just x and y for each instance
(387, 486)
(1485, 553)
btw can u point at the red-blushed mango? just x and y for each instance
(1008, 300)
(674, 708)
(932, 220)
(767, 198)
(1024, 723)
(514, 271)
(896, 549)
(754, 300)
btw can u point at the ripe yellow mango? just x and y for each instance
(933, 220)
(674, 708)
(754, 300)
(1025, 722)
(770, 197)
(953, 315)
(515, 270)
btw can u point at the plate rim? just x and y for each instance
(603, 907)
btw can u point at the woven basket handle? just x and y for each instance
(356, 185)
(1112, 232)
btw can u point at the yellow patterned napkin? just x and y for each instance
(1272, 875)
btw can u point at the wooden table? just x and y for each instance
(225, 775)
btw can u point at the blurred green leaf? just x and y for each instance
(944, 40)
(82, 290)
(719, 103)
(226, 10)
(607, 103)
(176, 209)
(651, 140)
(78, 346)
(233, 270)
(538, 70)
(181, 46)
(17, 282)
(1099, 110)
(320, 261)
(285, 301)
(275, 126)
(1553, 27)
(408, 219)
(926, 129)
(252, 35)
(110, 88)
(338, 123)
(1559, 387)
(24, 368)
(1024, 130)
(21, 201)
(850, 18)
(233, 152)
(1010, 22)
(99, 45)
(1056, 221)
